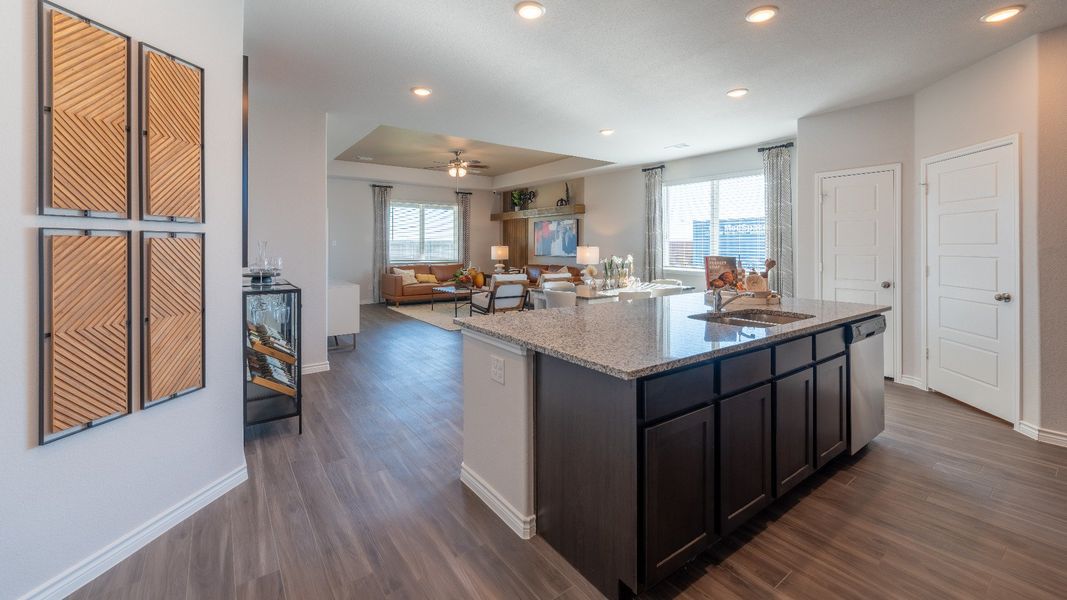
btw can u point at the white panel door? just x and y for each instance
(972, 252)
(858, 237)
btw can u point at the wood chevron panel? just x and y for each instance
(175, 312)
(174, 138)
(89, 117)
(89, 317)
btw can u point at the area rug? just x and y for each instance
(441, 315)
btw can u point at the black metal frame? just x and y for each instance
(279, 286)
(142, 109)
(244, 161)
(44, 120)
(146, 325)
(491, 310)
(45, 334)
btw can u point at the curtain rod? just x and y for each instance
(381, 186)
(652, 169)
(785, 145)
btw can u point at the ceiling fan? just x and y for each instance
(458, 167)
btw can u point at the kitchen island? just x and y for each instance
(633, 435)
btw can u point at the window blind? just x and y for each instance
(721, 217)
(423, 232)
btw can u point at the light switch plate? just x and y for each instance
(496, 369)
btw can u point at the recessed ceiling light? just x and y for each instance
(421, 90)
(606, 132)
(737, 92)
(530, 10)
(677, 146)
(1002, 14)
(365, 157)
(761, 14)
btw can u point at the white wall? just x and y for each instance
(1052, 214)
(287, 201)
(351, 224)
(995, 98)
(63, 503)
(866, 136)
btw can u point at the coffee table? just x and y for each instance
(461, 296)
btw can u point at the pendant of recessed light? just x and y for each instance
(1002, 14)
(761, 14)
(530, 10)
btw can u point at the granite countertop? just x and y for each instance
(636, 339)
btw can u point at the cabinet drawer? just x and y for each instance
(829, 343)
(675, 392)
(742, 371)
(793, 355)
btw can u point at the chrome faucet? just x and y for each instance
(717, 303)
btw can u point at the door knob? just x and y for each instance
(886, 285)
(1002, 297)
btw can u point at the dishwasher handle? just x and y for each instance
(857, 332)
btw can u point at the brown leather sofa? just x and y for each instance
(395, 291)
(534, 272)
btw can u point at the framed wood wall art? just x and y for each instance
(172, 137)
(85, 373)
(84, 120)
(172, 310)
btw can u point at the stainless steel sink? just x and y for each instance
(764, 319)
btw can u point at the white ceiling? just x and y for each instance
(398, 147)
(654, 71)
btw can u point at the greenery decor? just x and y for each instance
(462, 278)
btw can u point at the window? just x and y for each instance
(423, 232)
(719, 217)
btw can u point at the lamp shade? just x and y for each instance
(499, 253)
(588, 255)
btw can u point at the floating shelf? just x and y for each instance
(551, 211)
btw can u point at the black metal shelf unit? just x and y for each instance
(271, 346)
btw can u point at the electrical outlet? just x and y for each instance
(496, 369)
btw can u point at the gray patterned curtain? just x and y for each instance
(381, 234)
(779, 197)
(464, 201)
(653, 223)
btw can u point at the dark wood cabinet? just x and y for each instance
(679, 467)
(744, 456)
(831, 381)
(793, 430)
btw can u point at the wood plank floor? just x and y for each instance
(947, 503)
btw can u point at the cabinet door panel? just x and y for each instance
(679, 491)
(830, 395)
(793, 430)
(745, 456)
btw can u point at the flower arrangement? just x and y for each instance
(617, 270)
(462, 278)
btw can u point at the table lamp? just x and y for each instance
(589, 256)
(498, 253)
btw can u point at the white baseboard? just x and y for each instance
(1048, 436)
(913, 381)
(319, 367)
(523, 525)
(72, 579)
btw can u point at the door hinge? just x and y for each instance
(927, 354)
(927, 270)
(819, 267)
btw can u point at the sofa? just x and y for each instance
(393, 290)
(533, 272)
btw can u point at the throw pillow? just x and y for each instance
(407, 277)
(426, 278)
(564, 269)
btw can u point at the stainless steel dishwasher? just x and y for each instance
(866, 385)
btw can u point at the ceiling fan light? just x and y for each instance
(530, 10)
(453, 172)
(461, 172)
